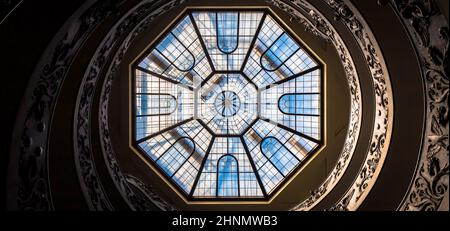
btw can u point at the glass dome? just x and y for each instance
(227, 104)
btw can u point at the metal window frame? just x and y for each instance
(217, 175)
(237, 35)
(266, 196)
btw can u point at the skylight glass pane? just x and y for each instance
(176, 53)
(275, 56)
(176, 155)
(205, 115)
(227, 36)
(299, 104)
(155, 104)
(179, 56)
(280, 51)
(153, 92)
(227, 31)
(295, 104)
(179, 152)
(227, 177)
(209, 181)
(279, 155)
(275, 151)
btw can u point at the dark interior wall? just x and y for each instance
(22, 41)
(443, 7)
(407, 87)
(62, 171)
(24, 35)
(61, 152)
(406, 80)
(406, 140)
(337, 109)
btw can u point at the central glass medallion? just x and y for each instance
(227, 103)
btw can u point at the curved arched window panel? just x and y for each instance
(155, 62)
(227, 25)
(227, 176)
(279, 155)
(176, 53)
(278, 52)
(212, 63)
(227, 35)
(299, 104)
(172, 159)
(150, 104)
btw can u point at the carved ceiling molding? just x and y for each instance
(346, 13)
(85, 106)
(149, 193)
(119, 36)
(350, 71)
(429, 32)
(383, 118)
(355, 118)
(28, 181)
(304, 13)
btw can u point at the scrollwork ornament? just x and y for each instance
(381, 133)
(112, 47)
(368, 174)
(430, 34)
(318, 23)
(33, 191)
(149, 193)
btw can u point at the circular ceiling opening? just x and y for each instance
(227, 105)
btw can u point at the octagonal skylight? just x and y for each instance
(227, 104)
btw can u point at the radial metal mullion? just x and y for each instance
(164, 130)
(292, 77)
(252, 44)
(205, 126)
(164, 78)
(197, 178)
(172, 63)
(202, 43)
(293, 131)
(252, 163)
(290, 56)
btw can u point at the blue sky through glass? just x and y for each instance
(211, 64)
(227, 178)
(227, 31)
